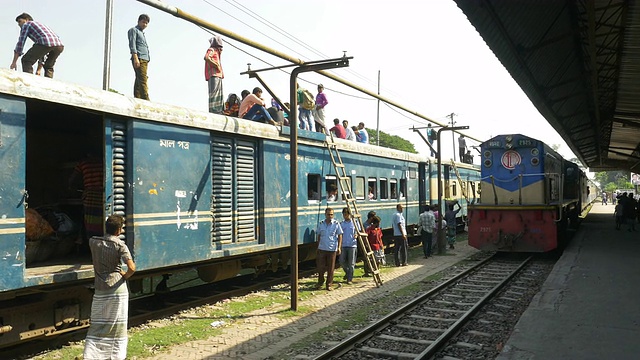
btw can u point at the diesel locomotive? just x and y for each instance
(529, 196)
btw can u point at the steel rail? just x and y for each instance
(162, 6)
(453, 329)
(41, 344)
(368, 332)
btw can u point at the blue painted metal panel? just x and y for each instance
(316, 160)
(12, 186)
(506, 159)
(170, 193)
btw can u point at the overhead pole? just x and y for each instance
(378, 114)
(108, 24)
(441, 239)
(453, 139)
(161, 5)
(293, 163)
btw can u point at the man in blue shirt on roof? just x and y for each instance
(139, 56)
(45, 44)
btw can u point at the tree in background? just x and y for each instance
(613, 180)
(391, 141)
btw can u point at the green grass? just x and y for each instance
(359, 317)
(149, 340)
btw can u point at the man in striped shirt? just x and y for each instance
(46, 48)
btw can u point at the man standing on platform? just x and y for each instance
(427, 224)
(329, 245)
(400, 244)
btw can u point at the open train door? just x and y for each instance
(13, 195)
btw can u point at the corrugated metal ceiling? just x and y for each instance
(579, 63)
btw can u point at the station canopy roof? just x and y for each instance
(579, 63)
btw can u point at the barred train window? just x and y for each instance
(313, 187)
(372, 189)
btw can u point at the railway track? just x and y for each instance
(437, 323)
(163, 304)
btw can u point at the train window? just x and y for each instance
(331, 188)
(313, 187)
(384, 195)
(403, 188)
(360, 188)
(453, 189)
(394, 188)
(447, 190)
(372, 189)
(413, 174)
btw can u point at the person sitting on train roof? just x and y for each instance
(252, 108)
(45, 43)
(338, 130)
(363, 134)
(244, 94)
(351, 135)
(232, 105)
(468, 158)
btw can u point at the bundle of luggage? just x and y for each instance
(50, 234)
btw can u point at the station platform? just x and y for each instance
(589, 307)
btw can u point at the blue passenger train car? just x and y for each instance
(529, 196)
(201, 193)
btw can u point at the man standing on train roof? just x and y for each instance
(213, 74)
(139, 56)
(305, 107)
(318, 112)
(462, 147)
(329, 245)
(431, 138)
(46, 44)
(363, 134)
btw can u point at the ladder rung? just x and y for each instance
(363, 234)
(370, 253)
(344, 178)
(339, 165)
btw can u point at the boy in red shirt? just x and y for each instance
(374, 235)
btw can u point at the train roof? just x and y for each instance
(26, 85)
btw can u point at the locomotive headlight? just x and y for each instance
(535, 152)
(508, 142)
(535, 161)
(487, 154)
(488, 162)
